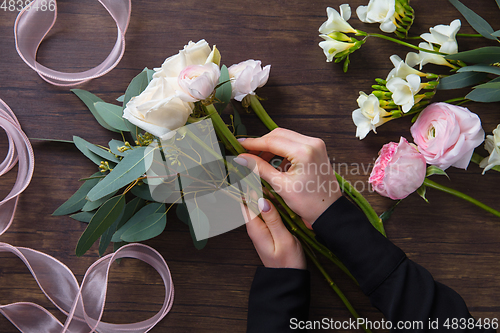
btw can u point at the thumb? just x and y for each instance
(273, 220)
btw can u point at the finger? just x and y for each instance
(258, 232)
(260, 167)
(273, 221)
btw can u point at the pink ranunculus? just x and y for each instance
(197, 82)
(399, 170)
(447, 134)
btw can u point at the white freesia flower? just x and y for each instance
(379, 11)
(444, 35)
(423, 58)
(403, 68)
(197, 82)
(246, 77)
(492, 145)
(336, 21)
(403, 91)
(157, 109)
(369, 115)
(331, 47)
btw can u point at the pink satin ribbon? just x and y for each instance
(83, 305)
(32, 25)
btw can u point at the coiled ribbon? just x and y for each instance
(33, 24)
(83, 305)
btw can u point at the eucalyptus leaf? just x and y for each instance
(92, 205)
(481, 68)
(114, 145)
(461, 80)
(498, 3)
(496, 33)
(90, 99)
(434, 170)
(477, 22)
(482, 55)
(83, 216)
(223, 92)
(106, 236)
(131, 167)
(112, 115)
(142, 191)
(110, 211)
(150, 227)
(486, 93)
(131, 208)
(77, 200)
(182, 213)
(135, 88)
(388, 213)
(141, 215)
(150, 73)
(121, 98)
(94, 153)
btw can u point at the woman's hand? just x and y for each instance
(276, 246)
(307, 182)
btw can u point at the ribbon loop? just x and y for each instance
(33, 24)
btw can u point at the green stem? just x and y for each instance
(432, 184)
(365, 206)
(362, 33)
(220, 125)
(458, 99)
(469, 35)
(334, 286)
(261, 113)
(476, 158)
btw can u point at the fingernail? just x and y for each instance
(241, 139)
(264, 205)
(240, 161)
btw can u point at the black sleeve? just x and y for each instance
(279, 297)
(401, 289)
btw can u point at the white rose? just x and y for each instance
(379, 11)
(246, 77)
(403, 91)
(157, 110)
(192, 54)
(369, 115)
(197, 82)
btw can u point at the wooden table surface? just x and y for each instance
(457, 242)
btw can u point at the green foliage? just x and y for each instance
(137, 220)
(83, 216)
(486, 93)
(150, 227)
(434, 170)
(112, 115)
(223, 92)
(461, 80)
(129, 169)
(106, 216)
(136, 86)
(421, 191)
(477, 22)
(94, 153)
(77, 200)
(482, 55)
(481, 68)
(90, 99)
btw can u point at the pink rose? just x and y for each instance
(197, 82)
(399, 170)
(446, 135)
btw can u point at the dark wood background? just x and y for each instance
(457, 242)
